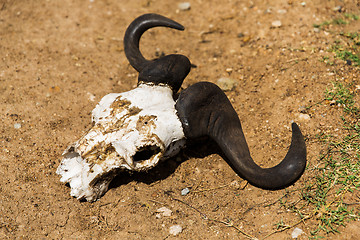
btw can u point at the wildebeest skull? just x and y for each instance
(134, 130)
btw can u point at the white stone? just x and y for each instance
(185, 191)
(175, 230)
(276, 23)
(91, 97)
(142, 121)
(163, 212)
(303, 117)
(17, 125)
(235, 184)
(183, 6)
(296, 232)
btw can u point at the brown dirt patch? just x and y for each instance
(59, 58)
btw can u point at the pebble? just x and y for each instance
(268, 10)
(276, 23)
(296, 233)
(304, 117)
(184, 191)
(226, 84)
(303, 4)
(229, 70)
(175, 230)
(184, 6)
(235, 184)
(240, 35)
(163, 212)
(337, 9)
(91, 97)
(17, 125)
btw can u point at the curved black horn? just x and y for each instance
(204, 110)
(171, 69)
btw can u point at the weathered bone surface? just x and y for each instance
(132, 130)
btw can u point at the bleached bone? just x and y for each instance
(134, 130)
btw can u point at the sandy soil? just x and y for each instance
(59, 58)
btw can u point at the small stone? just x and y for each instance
(184, 6)
(229, 70)
(296, 233)
(163, 212)
(235, 184)
(175, 230)
(226, 84)
(240, 35)
(303, 4)
(185, 191)
(304, 117)
(337, 9)
(276, 24)
(91, 97)
(268, 10)
(17, 125)
(317, 30)
(238, 186)
(357, 87)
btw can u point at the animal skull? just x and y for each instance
(134, 130)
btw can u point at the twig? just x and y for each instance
(205, 217)
(194, 189)
(154, 201)
(283, 196)
(355, 203)
(115, 205)
(291, 226)
(233, 226)
(210, 189)
(314, 213)
(202, 214)
(105, 204)
(198, 185)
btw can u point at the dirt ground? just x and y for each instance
(59, 58)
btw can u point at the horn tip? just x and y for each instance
(294, 126)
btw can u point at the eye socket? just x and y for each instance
(145, 153)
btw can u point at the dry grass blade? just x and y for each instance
(205, 217)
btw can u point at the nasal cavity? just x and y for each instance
(145, 153)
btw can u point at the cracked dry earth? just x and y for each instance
(59, 58)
